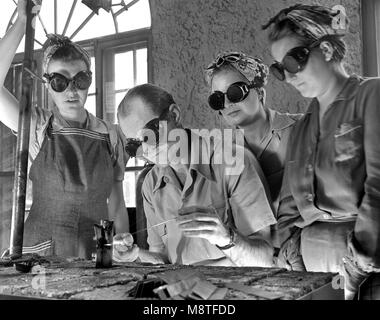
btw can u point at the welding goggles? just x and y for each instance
(59, 83)
(236, 92)
(293, 62)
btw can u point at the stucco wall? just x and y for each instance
(187, 34)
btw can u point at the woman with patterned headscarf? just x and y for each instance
(77, 160)
(330, 202)
(237, 83)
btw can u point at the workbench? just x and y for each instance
(80, 280)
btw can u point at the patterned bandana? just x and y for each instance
(54, 42)
(314, 22)
(252, 68)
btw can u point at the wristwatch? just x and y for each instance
(232, 240)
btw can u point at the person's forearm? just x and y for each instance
(8, 46)
(152, 257)
(122, 221)
(117, 210)
(251, 252)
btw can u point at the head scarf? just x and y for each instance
(314, 22)
(55, 42)
(252, 68)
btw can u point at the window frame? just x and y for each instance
(371, 37)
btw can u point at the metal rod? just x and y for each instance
(115, 21)
(55, 17)
(82, 25)
(126, 7)
(69, 17)
(39, 42)
(42, 24)
(156, 225)
(22, 150)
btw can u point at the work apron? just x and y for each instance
(324, 244)
(72, 178)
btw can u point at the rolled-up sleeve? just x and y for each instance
(364, 243)
(249, 197)
(154, 239)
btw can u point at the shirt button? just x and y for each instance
(309, 197)
(310, 167)
(166, 179)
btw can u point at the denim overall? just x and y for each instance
(72, 178)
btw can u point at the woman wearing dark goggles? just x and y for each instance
(235, 93)
(76, 166)
(237, 81)
(332, 157)
(59, 83)
(294, 61)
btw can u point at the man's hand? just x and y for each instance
(123, 248)
(202, 222)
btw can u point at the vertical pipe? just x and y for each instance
(21, 167)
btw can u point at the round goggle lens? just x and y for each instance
(216, 100)
(59, 83)
(235, 93)
(82, 81)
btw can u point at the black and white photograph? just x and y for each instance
(189, 158)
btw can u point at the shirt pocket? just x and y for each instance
(348, 141)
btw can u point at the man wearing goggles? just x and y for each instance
(187, 198)
(149, 135)
(237, 82)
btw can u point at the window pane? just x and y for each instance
(92, 29)
(136, 17)
(93, 84)
(124, 77)
(91, 105)
(142, 66)
(129, 186)
(118, 97)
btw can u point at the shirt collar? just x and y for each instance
(92, 123)
(280, 121)
(349, 90)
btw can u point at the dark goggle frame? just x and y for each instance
(235, 93)
(59, 83)
(293, 62)
(132, 144)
